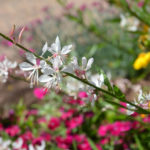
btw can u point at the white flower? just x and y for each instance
(18, 144)
(33, 67)
(56, 50)
(130, 112)
(51, 77)
(45, 48)
(79, 70)
(5, 66)
(41, 147)
(4, 145)
(98, 80)
(38, 147)
(131, 23)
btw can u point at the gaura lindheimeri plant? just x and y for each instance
(53, 69)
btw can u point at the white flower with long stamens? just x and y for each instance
(50, 77)
(56, 50)
(34, 66)
(5, 66)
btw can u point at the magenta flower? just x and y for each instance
(74, 122)
(39, 93)
(54, 123)
(12, 130)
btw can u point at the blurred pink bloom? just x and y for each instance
(82, 94)
(104, 141)
(68, 114)
(46, 136)
(70, 5)
(54, 123)
(12, 130)
(83, 7)
(2, 58)
(74, 122)
(27, 136)
(84, 146)
(140, 4)
(39, 93)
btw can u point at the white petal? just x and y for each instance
(75, 62)
(66, 49)
(45, 78)
(25, 66)
(13, 65)
(31, 58)
(84, 62)
(57, 44)
(89, 64)
(48, 70)
(45, 48)
(68, 69)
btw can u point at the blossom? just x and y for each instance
(18, 144)
(5, 66)
(12, 130)
(4, 145)
(57, 52)
(74, 122)
(39, 93)
(54, 123)
(80, 71)
(131, 23)
(34, 66)
(50, 77)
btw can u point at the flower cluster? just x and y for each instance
(50, 70)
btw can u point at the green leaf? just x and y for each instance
(92, 144)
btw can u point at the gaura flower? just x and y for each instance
(80, 71)
(50, 77)
(5, 66)
(56, 50)
(34, 66)
(4, 145)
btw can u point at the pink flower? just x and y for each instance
(74, 122)
(27, 136)
(103, 129)
(84, 146)
(39, 93)
(2, 58)
(70, 5)
(82, 94)
(98, 147)
(54, 123)
(46, 136)
(83, 7)
(140, 4)
(104, 141)
(12, 130)
(68, 114)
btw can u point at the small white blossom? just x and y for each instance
(51, 77)
(80, 71)
(131, 23)
(5, 66)
(18, 144)
(45, 48)
(57, 52)
(98, 80)
(33, 67)
(4, 145)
